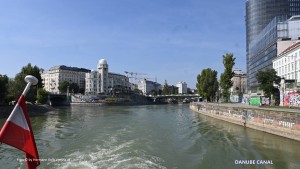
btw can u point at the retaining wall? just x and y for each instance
(286, 124)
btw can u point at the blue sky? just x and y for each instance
(171, 40)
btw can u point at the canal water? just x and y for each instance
(154, 137)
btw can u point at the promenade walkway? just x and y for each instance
(243, 105)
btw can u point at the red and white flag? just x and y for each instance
(17, 132)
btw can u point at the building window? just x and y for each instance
(285, 71)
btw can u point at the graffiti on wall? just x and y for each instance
(235, 99)
(259, 100)
(292, 99)
(247, 115)
(270, 119)
(286, 124)
(265, 101)
(254, 101)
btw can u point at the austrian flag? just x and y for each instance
(17, 132)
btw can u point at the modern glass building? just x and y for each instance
(263, 21)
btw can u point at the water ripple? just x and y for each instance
(114, 156)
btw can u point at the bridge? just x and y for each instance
(58, 100)
(176, 96)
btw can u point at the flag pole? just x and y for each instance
(17, 131)
(31, 80)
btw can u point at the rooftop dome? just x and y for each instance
(102, 62)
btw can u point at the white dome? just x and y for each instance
(102, 62)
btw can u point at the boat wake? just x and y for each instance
(110, 157)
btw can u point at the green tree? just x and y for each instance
(226, 76)
(165, 90)
(74, 88)
(17, 85)
(63, 86)
(3, 88)
(153, 92)
(82, 90)
(42, 96)
(207, 84)
(11, 91)
(266, 78)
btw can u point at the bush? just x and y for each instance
(42, 96)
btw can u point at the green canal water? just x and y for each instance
(154, 137)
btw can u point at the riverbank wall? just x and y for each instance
(279, 122)
(33, 110)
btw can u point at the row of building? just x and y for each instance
(99, 82)
(272, 32)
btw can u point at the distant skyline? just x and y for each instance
(171, 40)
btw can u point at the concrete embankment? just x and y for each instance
(285, 123)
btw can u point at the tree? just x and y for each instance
(17, 85)
(266, 78)
(30, 70)
(3, 87)
(165, 90)
(207, 84)
(74, 88)
(82, 90)
(42, 96)
(63, 86)
(11, 91)
(137, 92)
(226, 82)
(153, 92)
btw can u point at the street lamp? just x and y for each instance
(68, 90)
(68, 93)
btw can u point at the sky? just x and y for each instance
(171, 40)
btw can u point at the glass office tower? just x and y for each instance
(263, 15)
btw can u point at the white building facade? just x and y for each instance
(117, 80)
(182, 87)
(58, 74)
(147, 86)
(92, 80)
(102, 81)
(287, 63)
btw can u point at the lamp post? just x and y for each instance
(68, 93)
